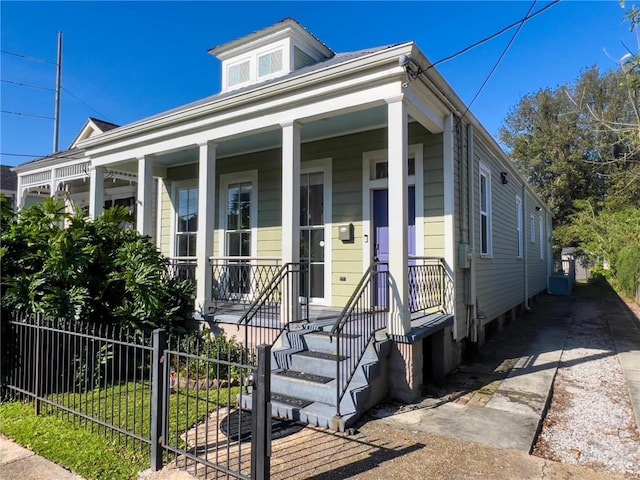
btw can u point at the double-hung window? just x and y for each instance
(486, 241)
(532, 229)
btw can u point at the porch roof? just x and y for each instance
(337, 60)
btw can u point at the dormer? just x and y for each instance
(270, 53)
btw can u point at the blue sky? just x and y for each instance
(124, 61)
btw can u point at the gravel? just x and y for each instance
(591, 421)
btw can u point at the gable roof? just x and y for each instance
(93, 127)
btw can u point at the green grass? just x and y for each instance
(128, 406)
(90, 455)
(89, 451)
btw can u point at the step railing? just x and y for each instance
(364, 314)
(240, 280)
(427, 284)
(283, 301)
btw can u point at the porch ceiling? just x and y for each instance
(327, 127)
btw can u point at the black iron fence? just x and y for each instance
(240, 280)
(427, 284)
(364, 314)
(171, 398)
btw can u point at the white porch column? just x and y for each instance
(52, 188)
(96, 192)
(291, 192)
(19, 201)
(398, 146)
(145, 196)
(206, 217)
(291, 213)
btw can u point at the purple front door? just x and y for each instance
(381, 233)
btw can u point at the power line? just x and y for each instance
(102, 116)
(25, 57)
(21, 155)
(29, 86)
(26, 114)
(520, 22)
(495, 66)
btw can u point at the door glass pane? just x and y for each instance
(317, 245)
(316, 205)
(316, 272)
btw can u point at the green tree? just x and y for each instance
(65, 266)
(569, 144)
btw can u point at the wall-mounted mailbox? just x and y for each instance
(345, 232)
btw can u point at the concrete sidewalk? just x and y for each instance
(17, 462)
(501, 398)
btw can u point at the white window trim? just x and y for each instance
(225, 181)
(368, 160)
(175, 186)
(324, 165)
(486, 172)
(519, 227)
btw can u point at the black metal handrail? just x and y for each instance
(363, 315)
(284, 300)
(426, 283)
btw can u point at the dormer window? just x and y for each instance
(268, 54)
(239, 73)
(270, 63)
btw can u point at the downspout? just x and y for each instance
(548, 224)
(525, 256)
(471, 311)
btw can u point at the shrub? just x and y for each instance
(65, 266)
(628, 270)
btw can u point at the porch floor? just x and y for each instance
(320, 315)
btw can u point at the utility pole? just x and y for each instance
(56, 116)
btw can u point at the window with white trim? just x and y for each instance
(519, 232)
(486, 240)
(238, 73)
(532, 229)
(541, 228)
(270, 63)
(187, 221)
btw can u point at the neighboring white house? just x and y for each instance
(331, 161)
(65, 174)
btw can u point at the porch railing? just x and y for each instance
(183, 268)
(427, 284)
(364, 314)
(240, 280)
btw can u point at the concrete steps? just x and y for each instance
(303, 379)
